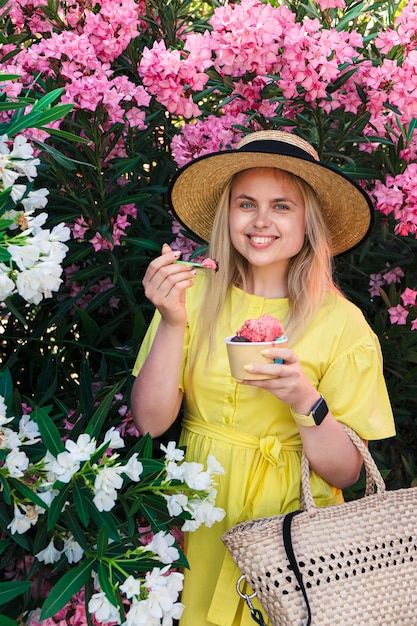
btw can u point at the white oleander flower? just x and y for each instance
(7, 286)
(64, 466)
(104, 500)
(139, 615)
(131, 587)
(16, 194)
(204, 512)
(3, 412)
(49, 554)
(9, 439)
(46, 494)
(163, 593)
(60, 232)
(4, 148)
(28, 429)
(103, 609)
(22, 149)
(17, 463)
(27, 167)
(83, 448)
(174, 471)
(162, 546)
(133, 468)
(72, 550)
(172, 453)
(214, 466)
(108, 479)
(113, 438)
(21, 522)
(8, 177)
(24, 256)
(195, 476)
(36, 199)
(176, 503)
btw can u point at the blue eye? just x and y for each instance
(281, 207)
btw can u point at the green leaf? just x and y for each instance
(90, 326)
(70, 583)
(27, 492)
(49, 432)
(351, 16)
(81, 497)
(95, 424)
(103, 518)
(7, 621)
(5, 490)
(102, 541)
(57, 505)
(6, 386)
(143, 447)
(15, 311)
(47, 99)
(11, 590)
(105, 584)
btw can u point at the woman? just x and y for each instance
(274, 216)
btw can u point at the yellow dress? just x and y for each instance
(254, 437)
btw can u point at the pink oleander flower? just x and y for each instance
(409, 296)
(375, 282)
(111, 29)
(247, 37)
(331, 4)
(399, 196)
(393, 275)
(398, 315)
(209, 135)
(172, 76)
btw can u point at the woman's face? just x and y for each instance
(266, 217)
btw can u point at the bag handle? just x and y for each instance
(373, 475)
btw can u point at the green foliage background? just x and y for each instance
(60, 353)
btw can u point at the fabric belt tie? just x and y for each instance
(225, 600)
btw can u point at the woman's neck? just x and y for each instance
(266, 283)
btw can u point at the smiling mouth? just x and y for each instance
(262, 239)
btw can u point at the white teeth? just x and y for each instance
(262, 239)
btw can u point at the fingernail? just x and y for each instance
(265, 352)
(248, 368)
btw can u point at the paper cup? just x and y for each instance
(242, 353)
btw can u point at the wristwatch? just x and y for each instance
(316, 415)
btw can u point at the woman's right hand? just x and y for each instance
(165, 283)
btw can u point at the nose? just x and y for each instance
(262, 218)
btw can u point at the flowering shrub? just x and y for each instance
(31, 258)
(142, 87)
(94, 520)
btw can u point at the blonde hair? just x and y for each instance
(310, 272)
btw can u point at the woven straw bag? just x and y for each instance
(351, 564)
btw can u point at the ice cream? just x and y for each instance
(265, 328)
(245, 347)
(207, 264)
(210, 264)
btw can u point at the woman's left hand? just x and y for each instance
(289, 383)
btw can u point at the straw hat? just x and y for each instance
(196, 188)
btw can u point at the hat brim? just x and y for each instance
(195, 191)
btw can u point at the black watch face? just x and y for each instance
(320, 411)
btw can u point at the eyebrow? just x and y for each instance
(244, 196)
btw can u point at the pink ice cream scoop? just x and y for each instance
(211, 264)
(265, 328)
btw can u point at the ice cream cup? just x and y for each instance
(242, 353)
